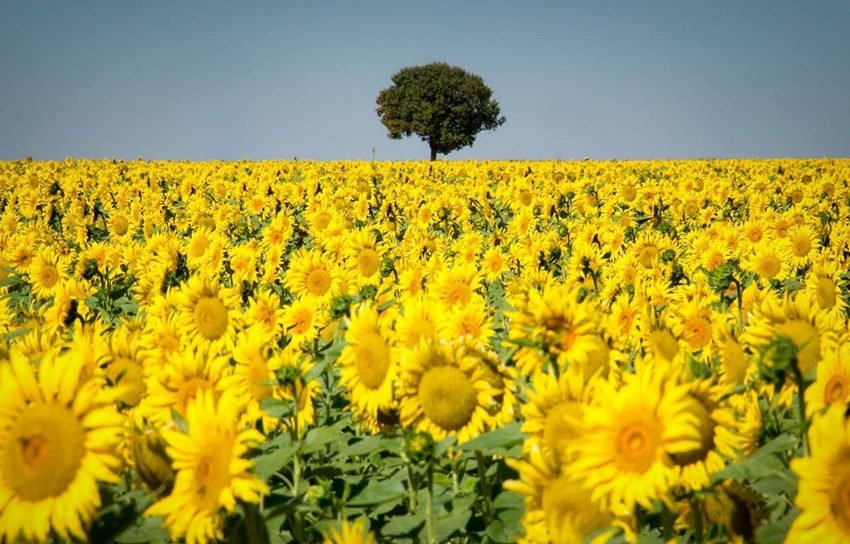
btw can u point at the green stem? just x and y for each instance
(411, 490)
(801, 410)
(739, 297)
(696, 507)
(429, 506)
(485, 485)
(252, 529)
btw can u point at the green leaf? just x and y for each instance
(497, 441)
(378, 492)
(399, 526)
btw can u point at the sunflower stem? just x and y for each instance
(696, 507)
(429, 506)
(411, 489)
(801, 409)
(739, 293)
(485, 485)
(253, 531)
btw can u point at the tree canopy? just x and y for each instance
(444, 105)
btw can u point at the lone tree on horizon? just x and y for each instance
(444, 105)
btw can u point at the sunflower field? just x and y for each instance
(271, 352)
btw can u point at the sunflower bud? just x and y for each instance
(152, 462)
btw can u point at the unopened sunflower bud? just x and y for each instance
(152, 462)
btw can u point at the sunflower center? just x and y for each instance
(734, 361)
(258, 376)
(120, 226)
(836, 389)
(302, 320)
(768, 266)
(43, 451)
(318, 282)
(664, 344)
(560, 426)
(211, 317)
(448, 397)
(373, 360)
(189, 390)
(805, 337)
(697, 332)
(801, 247)
(212, 471)
(637, 445)
(458, 293)
(48, 275)
(646, 256)
(367, 261)
(826, 293)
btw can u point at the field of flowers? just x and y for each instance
(425, 352)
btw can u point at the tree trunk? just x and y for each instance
(433, 152)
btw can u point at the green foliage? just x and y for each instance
(444, 105)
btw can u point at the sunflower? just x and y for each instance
(368, 366)
(209, 314)
(560, 325)
(552, 413)
(310, 274)
(46, 274)
(58, 433)
(715, 421)
(769, 260)
(186, 373)
(796, 318)
(212, 471)
(264, 311)
(472, 320)
(557, 508)
(823, 495)
(443, 390)
(455, 286)
(355, 532)
(303, 319)
(832, 385)
(826, 286)
(624, 452)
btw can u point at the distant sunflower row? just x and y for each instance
(656, 328)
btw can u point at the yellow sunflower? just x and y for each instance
(823, 495)
(558, 509)
(798, 319)
(832, 385)
(552, 412)
(58, 433)
(354, 532)
(311, 274)
(443, 390)
(212, 471)
(368, 366)
(559, 325)
(455, 286)
(209, 314)
(624, 452)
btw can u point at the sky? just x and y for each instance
(278, 80)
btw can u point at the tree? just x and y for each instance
(444, 105)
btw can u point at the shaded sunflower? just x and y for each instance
(212, 472)
(443, 390)
(58, 433)
(823, 495)
(367, 365)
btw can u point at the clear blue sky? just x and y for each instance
(200, 80)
